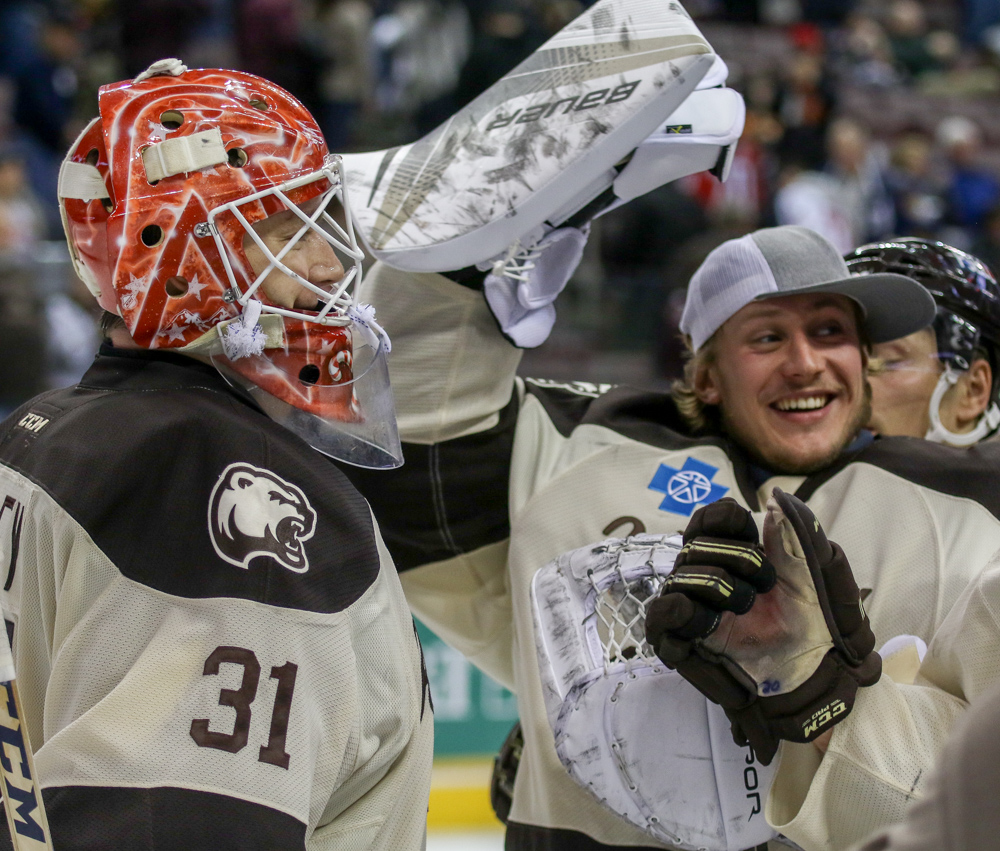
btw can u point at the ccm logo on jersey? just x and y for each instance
(253, 512)
(598, 97)
(33, 423)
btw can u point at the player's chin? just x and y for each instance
(804, 453)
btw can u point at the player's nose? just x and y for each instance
(323, 266)
(802, 360)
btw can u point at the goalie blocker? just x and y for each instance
(509, 183)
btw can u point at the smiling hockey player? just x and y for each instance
(503, 475)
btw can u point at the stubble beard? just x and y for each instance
(775, 460)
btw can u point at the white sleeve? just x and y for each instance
(452, 372)
(451, 369)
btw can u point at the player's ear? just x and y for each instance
(974, 393)
(706, 383)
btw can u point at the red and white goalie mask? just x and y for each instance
(203, 207)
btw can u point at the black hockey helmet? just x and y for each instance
(967, 324)
(966, 293)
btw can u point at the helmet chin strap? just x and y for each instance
(987, 424)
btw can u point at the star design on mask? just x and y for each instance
(174, 332)
(133, 289)
(195, 288)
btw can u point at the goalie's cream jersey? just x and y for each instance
(212, 645)
(502, 475)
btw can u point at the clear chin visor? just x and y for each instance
(328, 386)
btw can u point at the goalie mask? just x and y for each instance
(966, 325)
(203, 207)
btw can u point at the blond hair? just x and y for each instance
(696, 413)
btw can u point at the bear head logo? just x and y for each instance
(253, 512)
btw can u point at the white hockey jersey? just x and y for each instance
(502, 475)
(212, 645)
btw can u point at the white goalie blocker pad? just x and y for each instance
(538, 145)
(700, 135)
(632, 732)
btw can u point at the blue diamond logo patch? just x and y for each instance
(688, 487)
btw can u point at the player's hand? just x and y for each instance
(521, 287)
(786, 665)
(716, 577)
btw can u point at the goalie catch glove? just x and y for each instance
(785, 659)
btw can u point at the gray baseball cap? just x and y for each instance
(792, 260)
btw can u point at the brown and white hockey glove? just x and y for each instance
(783, 660)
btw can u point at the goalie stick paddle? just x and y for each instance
(22, 797)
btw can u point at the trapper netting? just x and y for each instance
(620, 597)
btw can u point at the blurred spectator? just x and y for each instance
(505, 35)
(346, 83)
(917, 186)
(22, 334)
(979, 16)
(858, 165)
(915, 47)
(422, 45)
(45, 89)
(210, 42)
(812, 199)
(972, 190)
(47, 83)
(22, 223)
(156, 29)
(22, 320)
(866, 55)
(71, 330)
(803, 106)
(555, 14)
(271, 41)
(746, 194)
(849, 201)
(52, 328)
(637, 241)
(19, 27)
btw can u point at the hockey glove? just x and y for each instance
(786, 665)
(522, 286)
